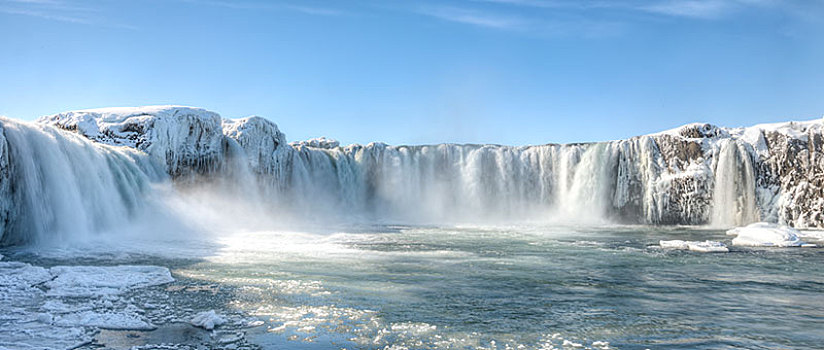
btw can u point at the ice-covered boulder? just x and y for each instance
(182, 138)
(260, 139)
(763, 234)
(207, 320)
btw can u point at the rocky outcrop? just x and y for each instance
(185, 139)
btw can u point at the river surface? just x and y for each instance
(531, 286)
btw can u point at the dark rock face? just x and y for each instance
(794, 168)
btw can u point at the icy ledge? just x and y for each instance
(763, 234)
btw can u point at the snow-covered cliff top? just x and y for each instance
(125, 126)
(178, 136)
(318, 142)
(796, 129)
(129, 126)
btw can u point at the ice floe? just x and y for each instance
(87, 281)
(763, 234)
(63, 306)
(704, 247)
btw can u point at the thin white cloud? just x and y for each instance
(44, 15)
(60, 11)
(694, 9)
(269, 6)
(473, 17)
(318, 11)
(706, 9)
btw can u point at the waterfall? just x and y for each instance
(734, 201)
(61, 185)
(57, 184)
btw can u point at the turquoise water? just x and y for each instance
(503, 287)
(493, 287)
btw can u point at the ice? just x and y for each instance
(815, 235)
(695, 174)
(708, 247)
(207, 320)
(763, 234)
(60, 307)
(105, 320)
(319, 142)
(88, 281)
(704, 247)
(17, 274)
(674, 244)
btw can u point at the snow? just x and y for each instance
(695, 174)
(794, 129)
(176, 136)
(814, 235)
(260, 139)
(207, 320)
(318, 142)
(763, 234)
(704, 247)
(88, 281)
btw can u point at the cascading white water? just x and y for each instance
(56, 183)
(63, 185)
(734, 202)
(450, 182)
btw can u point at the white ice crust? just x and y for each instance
(89, 281)
(60, 307)
(703, 247)
(763, 234)
(207, 320)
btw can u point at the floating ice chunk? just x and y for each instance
(708, 247)
(705, 246)
(22, 275)
(88, 281)
(674, 244)
(815, 235)
(106, 320)
(207, 320)
(763, 234)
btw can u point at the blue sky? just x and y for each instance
(409, 72)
